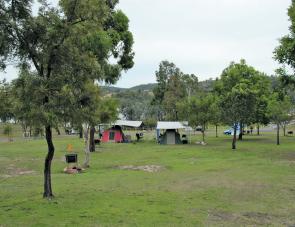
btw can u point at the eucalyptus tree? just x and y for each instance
(201, 110)
(263, 87)
(163, 74)
(63, 48)
(173, 87)
(238, 89)
(284, 53)
(279, 108)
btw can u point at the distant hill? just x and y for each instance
(144, 87)
(115, 90)
(207, 85)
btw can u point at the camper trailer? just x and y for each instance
(115, 133)
(168, 132)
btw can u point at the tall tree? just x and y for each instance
(175, 92)
(166, 70)
(278, 110)
(67, 46)
(262, 86)
(238, 91)
(173, 88)
(200, 111)
(284, 53)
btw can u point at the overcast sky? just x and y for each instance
(201, 36)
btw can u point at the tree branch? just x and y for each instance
(32, 55)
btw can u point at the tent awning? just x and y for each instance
(170, 125)
(134, 124)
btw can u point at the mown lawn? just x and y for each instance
(198, 186)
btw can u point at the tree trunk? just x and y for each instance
(81, 132)
(91, 140)
(203, 133)
(47, 167)
(258, 129)
(284, 128)
(234, 138)
(241, 131)
(57, 130)
(87, 151)
(278, 134)
(216, 130)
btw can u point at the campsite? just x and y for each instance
(147, 113)
(194, 186)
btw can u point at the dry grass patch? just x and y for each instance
(145, 168)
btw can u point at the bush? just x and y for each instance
(8, 131)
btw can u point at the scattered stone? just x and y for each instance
(201, 143)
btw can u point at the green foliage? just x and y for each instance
(108, 110)
(7, 130)
(284, 53)
(6, 102)
(173, 88)
(69, 47)
(243, 92)
(201, 111)
(279, 108)
(135, 104)
(150, 123)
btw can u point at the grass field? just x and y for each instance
(197, 185)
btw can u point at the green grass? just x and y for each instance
(199, 185)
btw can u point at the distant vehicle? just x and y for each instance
(72, 131)
(227, 132)
(231, 132)
(199, 129)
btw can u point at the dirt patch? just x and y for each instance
(247, 218)
(146, 168)
(12, 171)
(289, 156)
(220, 216)
(261, 218)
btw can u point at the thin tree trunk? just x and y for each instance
(92, 142)
(241, 131)
(47, 167)
(57, 130)
(278, 134)
(284, 128)
(258, 129)
(25, 130)
(81, 132)
(203, 133)
(216, 130)
(87, 151)
(234, 138)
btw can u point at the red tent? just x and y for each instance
(114, 134)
